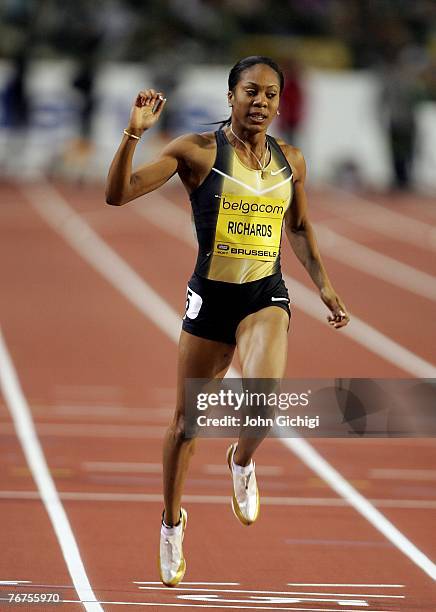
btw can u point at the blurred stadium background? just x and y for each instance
(361, 81)
(92, 295)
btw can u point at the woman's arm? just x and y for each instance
(301, 237)
(122, 184)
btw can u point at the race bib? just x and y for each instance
(249, 227)
(193, 304)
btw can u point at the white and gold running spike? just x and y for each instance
(245, 498)
(171, 562)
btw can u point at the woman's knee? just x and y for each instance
(183, 432)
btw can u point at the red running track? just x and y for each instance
(99, 378)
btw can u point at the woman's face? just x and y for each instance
(256, 97)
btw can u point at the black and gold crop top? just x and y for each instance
(238, 214)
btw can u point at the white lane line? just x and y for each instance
(54, 209)
(190, 583)
(192, 499)
(344, 584)
(171, 219)
(209, 590)
(192, 606)
(92, 248)
(272, 599)
(373, 263)
(33, 452)
(93, 431)
(373, 216)
(323, 502)
(156, 468)
(402, 474)
(14, 582)
(409, 443)
(123, 467)
(337, 482)
(365, 335)
(261, 470)
(82, 411)
(97, 394)
(137, 415)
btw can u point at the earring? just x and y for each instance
(278, 112)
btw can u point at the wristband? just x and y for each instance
(131, 135)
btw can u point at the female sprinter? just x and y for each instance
(242, 185)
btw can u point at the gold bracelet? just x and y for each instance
(131, 135)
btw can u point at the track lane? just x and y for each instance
(369, 456)
(414, 205)
(27, 541)
(357, 287)
(89, 536)
(65, 327)
(417, 256)
(306, 360)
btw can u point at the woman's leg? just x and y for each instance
(197, 358)
(262, 342)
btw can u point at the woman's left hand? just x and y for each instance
(339, 317)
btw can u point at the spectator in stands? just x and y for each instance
(399, 97)
(291, 102)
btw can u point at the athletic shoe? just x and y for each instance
(245, 499)
(172, 564)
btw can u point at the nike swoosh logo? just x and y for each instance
(278, 171)
(274, 299)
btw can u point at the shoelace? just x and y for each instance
(247, 481)
(170, 548)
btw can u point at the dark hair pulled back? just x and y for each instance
(243, 64)
(249, 62)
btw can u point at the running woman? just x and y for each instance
(244, 186)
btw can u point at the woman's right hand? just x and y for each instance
(142, 116)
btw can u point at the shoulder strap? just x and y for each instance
(221, 138)
(278, 149)
(223, 151)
